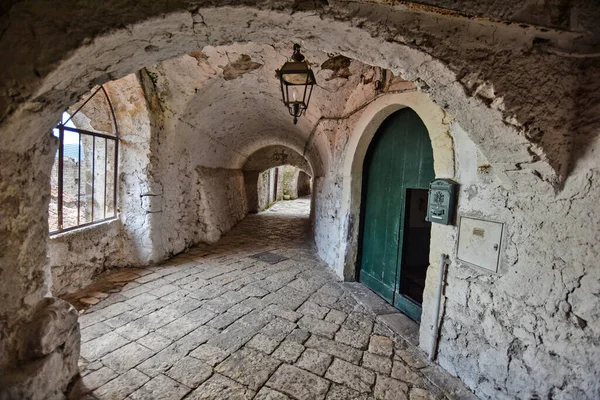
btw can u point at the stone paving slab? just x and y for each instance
(190, 371)
(160, 387)
(300, 384)
(215, 323)
(350, 375)
(249, 367)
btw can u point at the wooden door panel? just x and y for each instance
(399, 157)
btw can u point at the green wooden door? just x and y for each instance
(399, 158)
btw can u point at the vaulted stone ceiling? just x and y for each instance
(224, 103)
(503, 72)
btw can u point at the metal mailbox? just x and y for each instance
(442, 201)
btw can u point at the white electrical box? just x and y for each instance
(479, 242)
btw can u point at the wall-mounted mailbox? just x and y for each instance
(442, 201)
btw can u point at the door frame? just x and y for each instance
(395, 124)
(442, 144)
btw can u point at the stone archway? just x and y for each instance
(266, 158)
(358, 143)
(39, 87)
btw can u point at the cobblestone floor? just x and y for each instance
(256, 316)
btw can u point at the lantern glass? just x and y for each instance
(296, 73)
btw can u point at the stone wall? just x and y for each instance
(528, 330)
(289, 182)
(76, 257)
(304, 184)
(264, 192)
(525, 96)
(39, 335)
(221, 202)
(164, 207)
(505, 66)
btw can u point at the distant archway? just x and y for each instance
(267, 158)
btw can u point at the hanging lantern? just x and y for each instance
(297, 80)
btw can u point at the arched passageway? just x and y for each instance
(482, 86)
(264, 184)
(281, 183)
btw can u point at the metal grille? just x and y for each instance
(85, 174)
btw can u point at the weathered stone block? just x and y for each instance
(249, 367)
(315, 361)
(357, 378)
(318, 326)
(50, 327)
(102, 345)
(263, 343)
(160, 387)
(127, 357)
(154, 341)
(269, 394)
(380, 364)
(98, 378)
(219, 387)
(335, 316)
(313, 309)
(335, 349)
(390, 389)
(210, 354)
(357, 339)
(190, 371)
(283, 313)
(122, 386)
(94, 331)
(288, 351)
(341, 392)
(300, 384)
(381, 345)
(278, 328)
(359, 322)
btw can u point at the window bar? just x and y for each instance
(116, 167)
(61, 134)
(93, 171)
(79, 181)
(105, 170)
(83, 105)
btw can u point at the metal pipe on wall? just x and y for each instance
(436, 324)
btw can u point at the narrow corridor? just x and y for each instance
(256, 316)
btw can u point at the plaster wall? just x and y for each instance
(75, 258)
(532, 328)
(303, 186)
(263, 190)
(289, 182)
(518, 91)
(167, 202)
(168, 191)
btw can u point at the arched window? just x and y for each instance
(85, 172)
